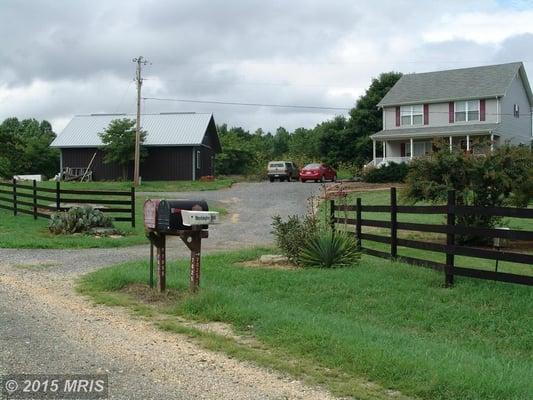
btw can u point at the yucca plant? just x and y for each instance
(328, 249)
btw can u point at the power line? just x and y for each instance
(233, 103)
(298, 106)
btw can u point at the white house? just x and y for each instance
(460, 106)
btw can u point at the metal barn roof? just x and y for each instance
(456, 84)
(165, 129)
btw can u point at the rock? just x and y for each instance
(105, 232)
(273, 259)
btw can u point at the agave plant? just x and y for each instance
(328, 249)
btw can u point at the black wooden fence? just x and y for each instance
(450, 229)
(31, 199)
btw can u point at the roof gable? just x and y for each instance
(165, 129)
(457, 84)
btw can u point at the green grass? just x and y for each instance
(22, 231)
(147, 186)
(382, 197)
(389, 323)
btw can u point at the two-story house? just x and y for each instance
(491, 104)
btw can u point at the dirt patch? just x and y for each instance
(146, 294)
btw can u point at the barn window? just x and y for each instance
(198, 159)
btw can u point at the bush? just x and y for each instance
(78, 219)
(328, 249)
(392, 172)
(292, 234)
(496, 179)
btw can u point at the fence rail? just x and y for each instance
(41, 201)
(450, 229)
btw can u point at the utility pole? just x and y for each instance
(138, 78)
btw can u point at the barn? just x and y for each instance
(180, 146)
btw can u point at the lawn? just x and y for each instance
(147, 186)
(382, 197)
(386, 323)
(23, 231)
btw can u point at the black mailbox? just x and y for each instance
(169, 214)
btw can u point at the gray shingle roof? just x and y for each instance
(456, 84)
(452, 130)
(165, 129)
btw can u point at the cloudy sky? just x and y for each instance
(64, 57)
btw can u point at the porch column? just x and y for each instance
(467, 142)
(451, 144)
(374, 152)
(412, 148)
(492, 142)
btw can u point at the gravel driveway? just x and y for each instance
(46, 328)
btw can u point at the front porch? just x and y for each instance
(400, 150)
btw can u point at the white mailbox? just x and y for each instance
(192, 218)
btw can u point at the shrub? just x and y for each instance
(498, 178)
(327, 249)
(392, 172)
(292, 234)
(78, 219)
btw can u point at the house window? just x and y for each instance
(421, 148)
(467, 110)
(516, 111)
(198, 159)
(412, 115)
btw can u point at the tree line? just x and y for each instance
(340, 141)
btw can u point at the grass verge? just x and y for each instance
(381, 322)
(147, 186)
(23, 232)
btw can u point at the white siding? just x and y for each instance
(516, 130)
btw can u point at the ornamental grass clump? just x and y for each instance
(291, 234)
(78, 220)
(328, 249)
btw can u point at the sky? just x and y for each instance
(60, 58)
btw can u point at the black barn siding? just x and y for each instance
(162, 163)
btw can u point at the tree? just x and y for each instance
(281, 142)
(334, 144)
(349, 141)
(119, 143)
(25, 148)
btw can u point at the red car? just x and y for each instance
(317, 172)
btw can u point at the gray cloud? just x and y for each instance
(64, 57)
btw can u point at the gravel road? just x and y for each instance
(46, 328)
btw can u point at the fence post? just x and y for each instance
(358, 222)
(332, 215)
(450, 240)
(14, 196)
(34, 199)
(133, 207)
(393, 223)
(58, 196)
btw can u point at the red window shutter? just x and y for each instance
(397, 116)
(482, 110)
(402, 149)
(426, 114)
(451, 117)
